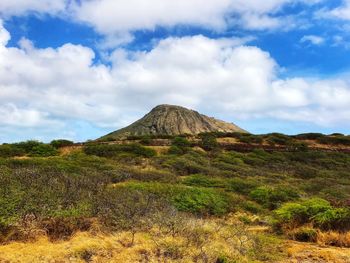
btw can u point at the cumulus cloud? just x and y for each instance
(20, 7)
(117, 17)
(49, 87)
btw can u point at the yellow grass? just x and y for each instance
(334, 238)
(83, 246)
(159, 149)
(227, 140)
(70, 149)
(148, 247)
(308, 252)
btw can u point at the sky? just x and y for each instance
(78, 69)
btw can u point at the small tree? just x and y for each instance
(128, 210)
(209, 142)
(179, 145)
(43, 150)
(61, 143)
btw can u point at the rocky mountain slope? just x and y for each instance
(174, 120)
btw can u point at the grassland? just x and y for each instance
(180, 199)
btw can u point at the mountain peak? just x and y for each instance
(168, 119)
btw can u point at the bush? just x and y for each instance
(180, 142)
(299, 213)
(297, 146)
(335, 218)
(202, 181)
(278, 138)
(316, 211)
(201, 201)
(9, 150)
(109, 151)
(272, 198)
(179, 146)
(175, 150)
(251, 207)
(43, 150)
(187, 164)
(309, 136)
(197, 200)
(242, 186)
(209, 142)
(27, 146)
(334, 140)
(146, 140)
(250, 138)
(149, 175)
(61, 143)
(19, 149)
(304, 234)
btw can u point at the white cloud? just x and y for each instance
(19, 7)
(341, 12)
(117, 17)
(39, 87)
(313, 39)
(4, 36)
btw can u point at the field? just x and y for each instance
(209, 198)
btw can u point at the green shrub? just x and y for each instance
(317, 211)
(202, 181)
(298, 213)
(297, 146)
(209, 142)
(179, 146)
(187, 164)
(304, 234)
(242, 186)
(335, 140)
(9, 150)
(149, 175)
(146, 140)
(43, 150)
(201, 201)
(278, 138)
(309, 136)
(61, 143)
(272, 197)
(28, 145)
(175, 150)
(250, 138)
(180, 142)
(292, 213)
(335, 218)
(252, 207)
(105, 150)
(197, 200)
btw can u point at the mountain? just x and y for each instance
(174, 120)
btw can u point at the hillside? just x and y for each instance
(216, 197)
(173, 120)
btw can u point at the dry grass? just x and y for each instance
(159, 149)
(308, 252)
(70, 149)
(203, 241)
(83, 247)
(333, 238)
(227, 140)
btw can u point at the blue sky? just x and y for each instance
(80, 69)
